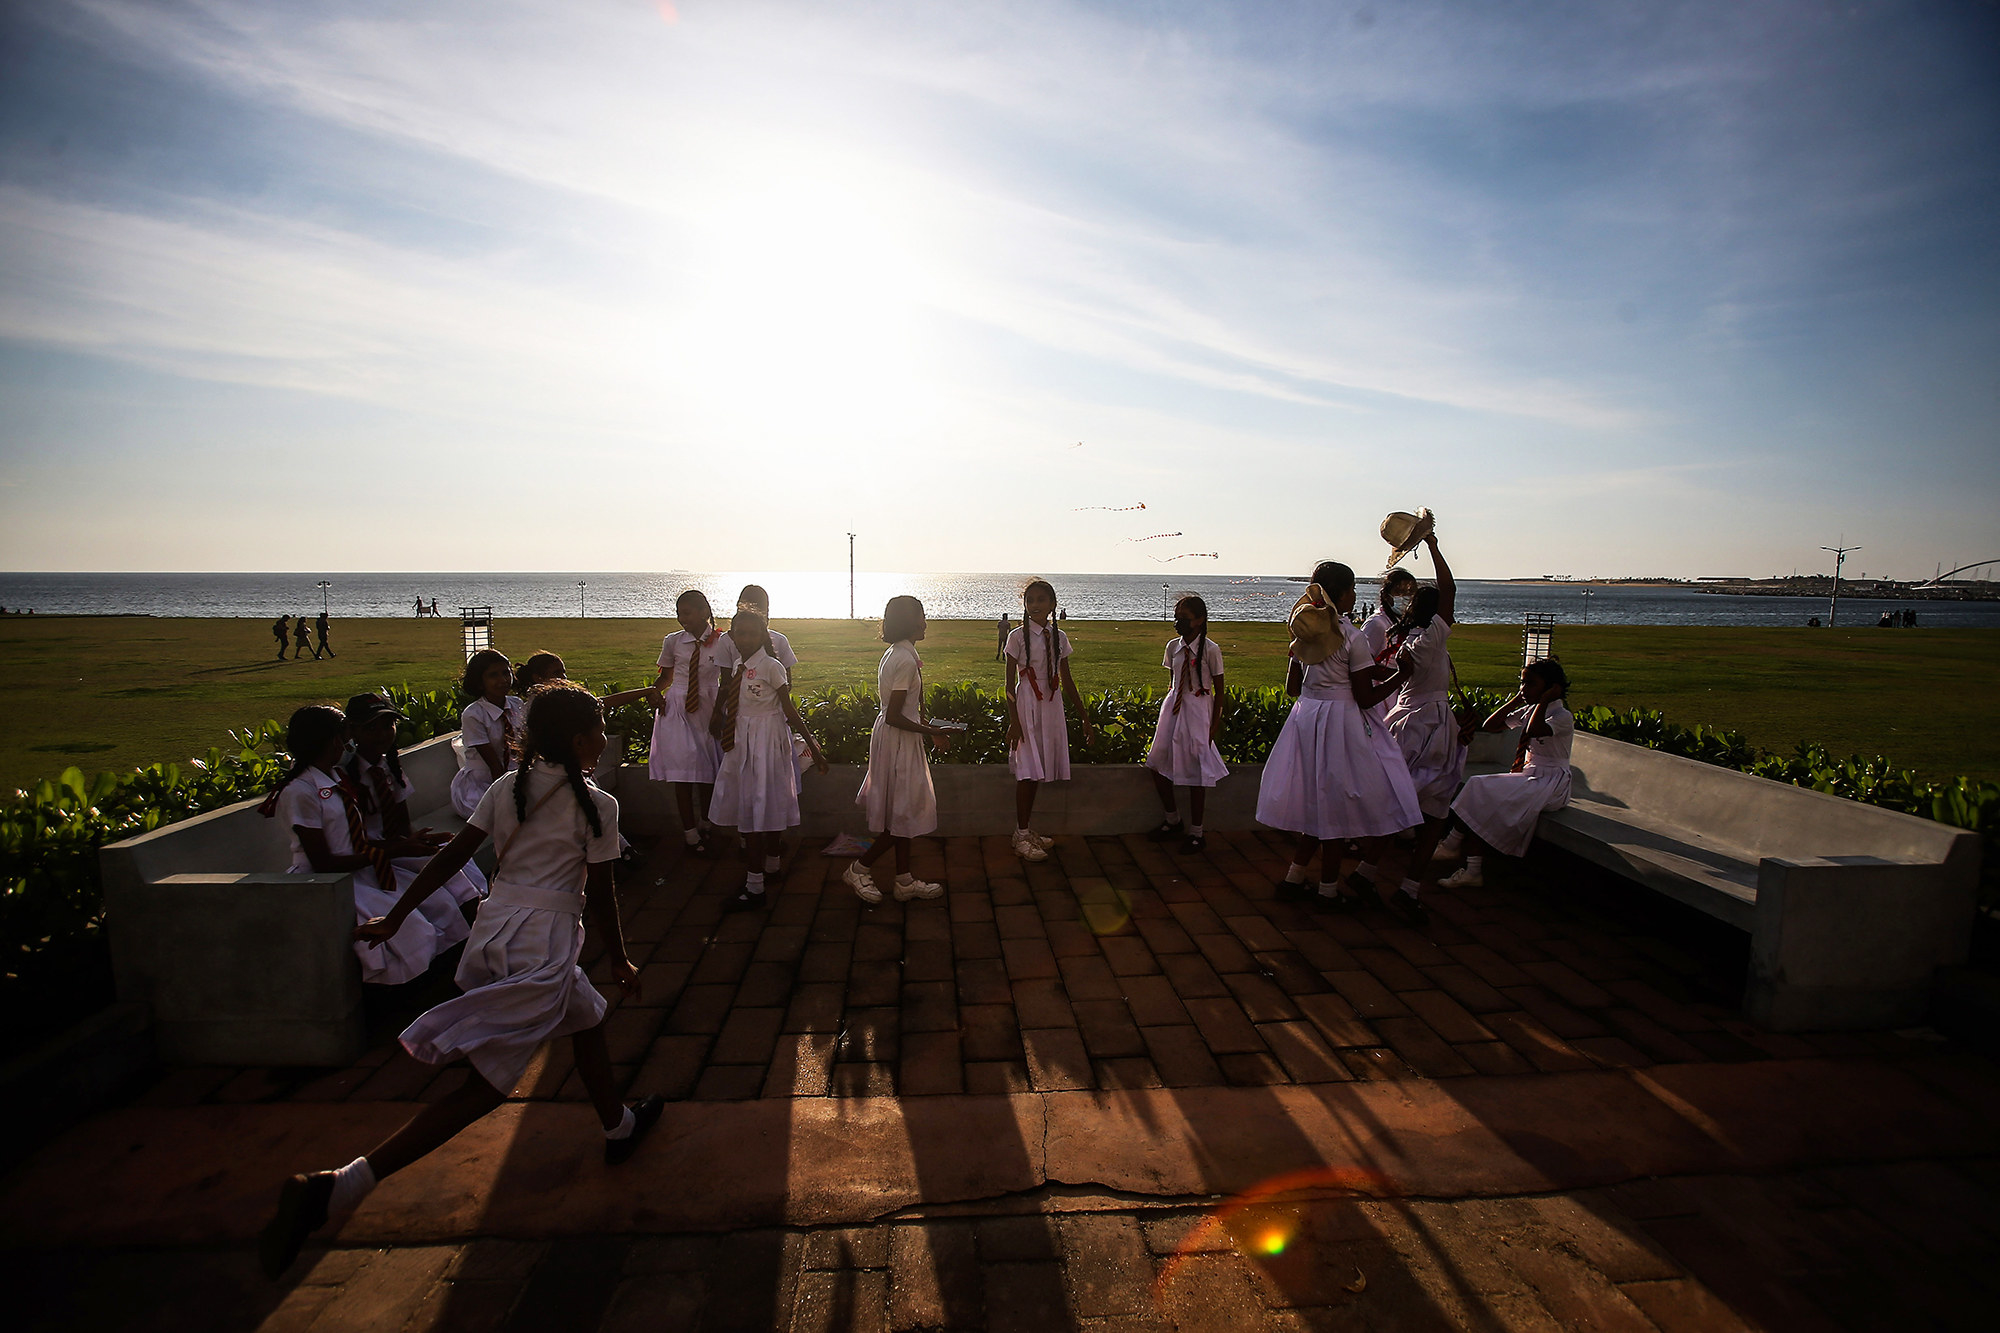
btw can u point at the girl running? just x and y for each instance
(757, 786)
(1038, 681)
(1184, 750)
(1334, 773)
(555, 837)
(1500, 810)
(897, 791)
(487, 728)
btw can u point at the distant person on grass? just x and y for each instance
(1006, 625)
(434, 608)
(319, 627)
(420, 608)
(301, 637)
(556, 838)
(281, 629)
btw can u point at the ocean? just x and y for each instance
(796, 595)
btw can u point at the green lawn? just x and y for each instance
(113, 692)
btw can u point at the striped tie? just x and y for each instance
(357, 835)
(729, 705)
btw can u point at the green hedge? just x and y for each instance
(51, 916)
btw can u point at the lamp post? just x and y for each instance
(579, 599)
(1165, 609)
(850, 576)
(1840, 554)
(1586, 606)
(325, 604)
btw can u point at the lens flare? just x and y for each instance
(1267, 1220)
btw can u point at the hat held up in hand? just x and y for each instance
(1311, 626)
(1405, 533)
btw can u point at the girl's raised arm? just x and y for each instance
(448, 862)
(1447, 586)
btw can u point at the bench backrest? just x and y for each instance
(1756, 814)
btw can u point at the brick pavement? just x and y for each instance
(1121, 969)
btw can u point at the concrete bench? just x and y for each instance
(1850, 908)
(240, 962)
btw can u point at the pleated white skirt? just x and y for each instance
(1503, 808)
(757, 785)
(1335, 773)
(1182, 752)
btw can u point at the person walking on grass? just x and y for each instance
(301, 636)
(319, 627)
(556, 840)
(281, 630)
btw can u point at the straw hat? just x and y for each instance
(1314, 635)
(1405, 533)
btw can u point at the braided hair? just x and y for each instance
(308, 732)
(558, 713)
(1188, 605)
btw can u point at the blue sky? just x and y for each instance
(1615, 289)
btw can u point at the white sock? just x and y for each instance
(1366, 869)
(1410, 887)
(1194, 830)
(1173, 816)
(753, 883)
(1019, 834)
(691, 836)
(1295, 873)
(1475, 864)
(772, 865)
(1327, 890)
(626, 1124)
(351, 1184)
(905, 878)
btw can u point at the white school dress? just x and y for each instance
(897, 791)
(520, 971)
(781, 648)
(314, 799)
(683, 751)
(1182, 751)
(1503, 808)
(1043, 753)
(757, 786)
(1335, 772)
(1421, 720)
(484, 722)
(379, 787)
(1376, 630)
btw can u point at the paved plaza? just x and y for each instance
(1121, 1089)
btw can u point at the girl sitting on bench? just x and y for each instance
(1500, 810)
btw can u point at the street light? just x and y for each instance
(850, 576)
(579, 599)
(324, 604)
(1165, 609)
(1586, 606)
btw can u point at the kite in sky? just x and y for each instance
(1186, 555)
(1109, 509)
(1155, 537)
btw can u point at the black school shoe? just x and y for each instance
(645, 1114)
(1195, 843)
(302, 1202)
(1408, 908)
(745, 901)
(1295, 891)
(1166, 832)
(700, 846)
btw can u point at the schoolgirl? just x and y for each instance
(684, 752)
(487, 728)
(374, 771)
(323, 815)
(1038, 681)
(757, 786)
(1500, 810)
(1398, 587)
(896, 791)
(753, 598)
(556, 837)
(1422, 720)
(1334, 773)
(1184, 750)
(543, 667)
